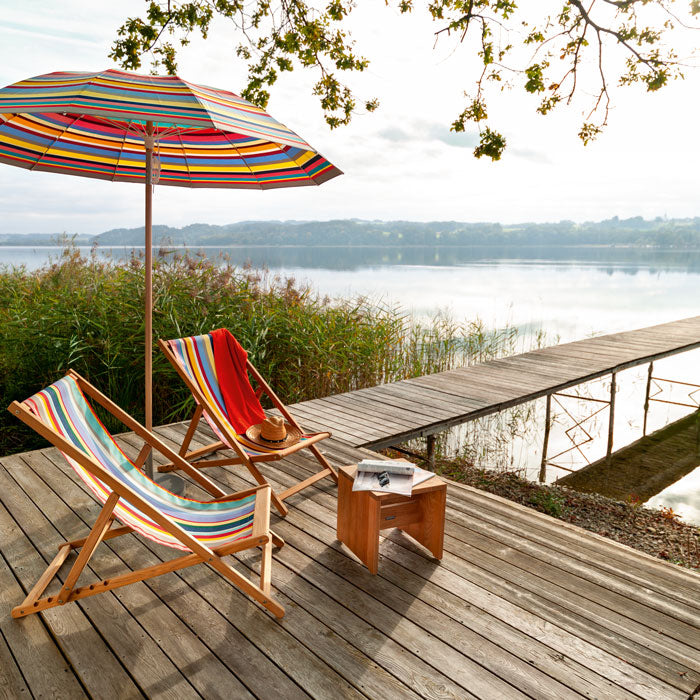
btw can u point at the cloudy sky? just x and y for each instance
(402, 162)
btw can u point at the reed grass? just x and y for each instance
(86, 313)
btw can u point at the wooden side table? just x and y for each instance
(362, 514)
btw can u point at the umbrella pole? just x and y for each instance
(148, 140)
(171, 482)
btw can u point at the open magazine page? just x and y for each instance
(401, 484)
(385, 476)
(385, 465)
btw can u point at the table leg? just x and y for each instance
(358, 522)
(429, 530)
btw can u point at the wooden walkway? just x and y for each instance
(392, 413)
(521, 606)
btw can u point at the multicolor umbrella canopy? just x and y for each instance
(126, 127)
(93, 124)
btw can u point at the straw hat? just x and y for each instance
(273, 432)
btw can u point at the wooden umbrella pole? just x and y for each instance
(148, 141)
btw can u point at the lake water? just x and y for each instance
(569, 293)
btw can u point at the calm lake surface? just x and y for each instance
(569, 293)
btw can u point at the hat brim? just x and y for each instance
(293, 436)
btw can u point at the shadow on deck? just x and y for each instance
(520, 606)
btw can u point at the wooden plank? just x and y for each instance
(146, 662)
(604, 636)
(91, 659)
(334, 421)
(614, 580)
(403, 410)
(546, 603)
(29, 657)
(12, 684)
(572, 576)
(352, 423)
(469, 387)
(396, 658)
(534, 649)
(309, 420)
(441, 405)
(597, 542)
(606, 554)
(618, 645)
(491, 688)
(376, 414)
(398, 625)
(306, 504)
(375, 411)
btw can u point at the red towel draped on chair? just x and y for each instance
(242, 405)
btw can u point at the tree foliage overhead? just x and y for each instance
(573, 48)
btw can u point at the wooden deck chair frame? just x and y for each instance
(261, 535)
(242, 457)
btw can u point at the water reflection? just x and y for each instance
(608, 260)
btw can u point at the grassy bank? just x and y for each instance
(86, 313)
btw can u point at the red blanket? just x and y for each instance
(242, 405)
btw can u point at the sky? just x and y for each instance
(402, 162)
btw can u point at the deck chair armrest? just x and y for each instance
(311, 440)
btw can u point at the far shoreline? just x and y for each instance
(525, 246)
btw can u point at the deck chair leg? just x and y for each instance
(99, 530)
(281, 508)
(326, 464)
(266, 567)
(276, 539)
(194, 421)
(141, 458)
(44, 580)
(33, 604)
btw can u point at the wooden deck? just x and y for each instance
(521, 606)
(392, 413)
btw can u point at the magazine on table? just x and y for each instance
(389, 476)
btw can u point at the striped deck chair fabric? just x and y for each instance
(63, 407)
(195, 355)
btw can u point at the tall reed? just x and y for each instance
(86, 313)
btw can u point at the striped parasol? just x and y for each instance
(97, 125)
(126, 127)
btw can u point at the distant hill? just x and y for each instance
(637, 231)
(43, 239)
(663, 233)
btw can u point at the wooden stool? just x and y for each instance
(362, 514)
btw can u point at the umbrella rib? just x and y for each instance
(184, 156)
(116, 165)
(242, 157)
(55, 141)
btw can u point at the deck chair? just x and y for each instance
(193, 360)
(206, 530)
